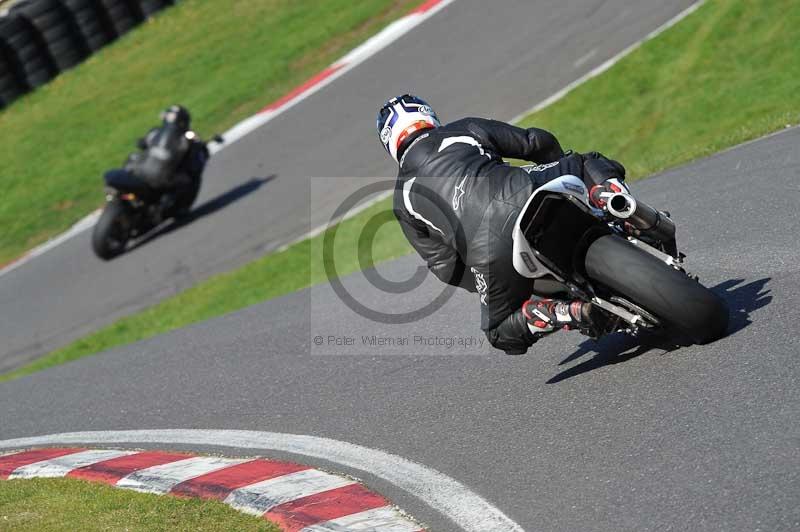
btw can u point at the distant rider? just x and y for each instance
(457, 202)
(171, 156)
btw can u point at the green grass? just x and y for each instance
(44, 505)
(223, 60)
(724, 75)
(297, 267)
(727, 74)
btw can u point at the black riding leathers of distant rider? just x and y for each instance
(457, 202)
(168, 159)
(171, 165)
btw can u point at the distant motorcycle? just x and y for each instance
(159, 182)
(623, 258)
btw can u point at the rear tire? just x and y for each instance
(681, 302)
(111, 233)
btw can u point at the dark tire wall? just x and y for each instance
(122, 15)
(92, 23)
(150, 7)
(41, 38)
(30, 61)
(11, 86)
(55, 26)
(682, 302)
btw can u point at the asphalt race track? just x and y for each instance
(483, 58)
(576, 435)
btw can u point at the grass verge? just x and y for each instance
(43, 505)
(273, 275)
(726, 74)
(223, 62)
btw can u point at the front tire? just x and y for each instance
(187, 197)
(671, 295)
(111, 233)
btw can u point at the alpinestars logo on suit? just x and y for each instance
(458, 193)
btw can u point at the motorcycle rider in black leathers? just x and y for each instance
(457, 202)
(171, 158)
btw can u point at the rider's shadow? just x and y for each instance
(230, 196)
(207, 208)
(742, 299)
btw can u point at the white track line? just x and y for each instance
(357, 56)
(611, 62)
(164, 477)
(354, 58)
(446, 495)
(255, 498)
(59, 467)
(80, 226)
(364, 205)
(541, 105)
(384, 519)
(258, 498)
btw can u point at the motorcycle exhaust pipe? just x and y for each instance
(642, 217)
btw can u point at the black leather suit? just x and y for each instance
(168, 159)
(457, 202)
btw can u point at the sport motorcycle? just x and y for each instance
(134, 207)
(623, 258)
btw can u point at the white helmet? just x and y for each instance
(402, 116)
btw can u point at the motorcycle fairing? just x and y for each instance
(527, 261)
(124, 181)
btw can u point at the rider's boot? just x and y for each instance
(548, 315)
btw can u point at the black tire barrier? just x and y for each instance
(11, 86)
(122, 15)
(8, 95)
(148, 8)
(92, 22)
(57, 29)
(29, 56)
(40, 38)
